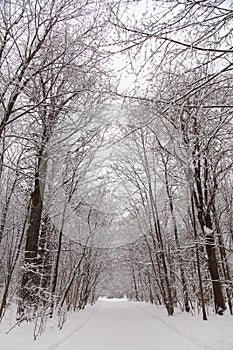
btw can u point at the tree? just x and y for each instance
(55, 76)
(186, 65)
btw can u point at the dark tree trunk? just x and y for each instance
(213, 267)
(31, 279)
(204, 315)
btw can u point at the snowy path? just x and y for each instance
(123, 325)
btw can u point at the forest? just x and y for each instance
(116, 139)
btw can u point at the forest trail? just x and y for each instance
(126, 326)
(113, 324)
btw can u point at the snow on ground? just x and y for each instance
(116, 325)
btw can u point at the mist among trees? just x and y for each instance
(115, 155)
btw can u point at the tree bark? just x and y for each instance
(31, 278)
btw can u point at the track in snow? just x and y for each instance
(124, 326)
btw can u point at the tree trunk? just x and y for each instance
(31, 279)
(213, 267)
(198, 262)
